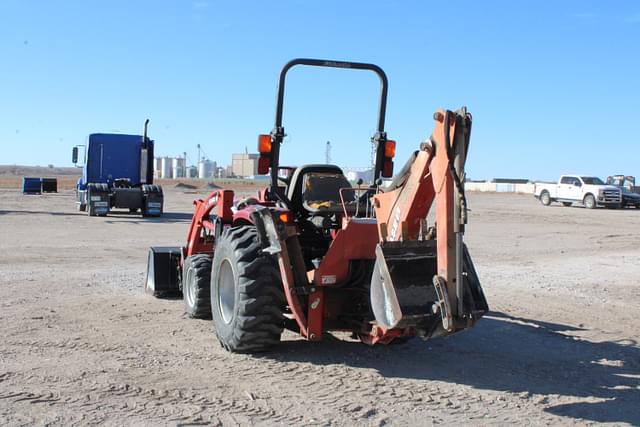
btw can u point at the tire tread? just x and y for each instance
(259, 320)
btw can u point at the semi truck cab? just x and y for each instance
(118, 174)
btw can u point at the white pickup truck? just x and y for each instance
(588, 190)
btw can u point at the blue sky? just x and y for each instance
(553, 86)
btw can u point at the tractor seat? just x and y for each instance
(316, 189)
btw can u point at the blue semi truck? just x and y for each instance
(118, 173)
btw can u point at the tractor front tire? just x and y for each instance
(247, 299)
(196, 279)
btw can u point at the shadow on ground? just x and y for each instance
(136, 218)
(504, 353)
(122, 217)
(31, 212)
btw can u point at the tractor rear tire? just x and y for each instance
(196, 279)
(247, 299)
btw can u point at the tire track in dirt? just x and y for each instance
(125, 400)
(275, 383)
(363, 394)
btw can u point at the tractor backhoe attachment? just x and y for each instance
(423, 277)
(314, 254)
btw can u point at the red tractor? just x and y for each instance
(312, 253)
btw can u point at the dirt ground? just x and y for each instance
(82, 343)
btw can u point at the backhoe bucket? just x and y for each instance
(403, 294)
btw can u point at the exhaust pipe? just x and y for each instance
(144, 137)
(144, 155)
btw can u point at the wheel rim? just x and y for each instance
(191, 290)
(226, 291)
(589, 202)
(545, 198)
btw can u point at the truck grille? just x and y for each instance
(611, 196)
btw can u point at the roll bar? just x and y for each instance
(278, 131)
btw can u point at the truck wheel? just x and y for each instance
(247, 299)
(155, 193)
(566, 204)
(91, 188)
(545, 199)
(96, 189)
(196, 279)
(589, 201)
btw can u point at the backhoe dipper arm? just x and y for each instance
(436, 174)
(451, 139)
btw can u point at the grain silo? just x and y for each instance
(192, 172)
(178, 165)
(157, 167)
(206, 169)
(165, 167)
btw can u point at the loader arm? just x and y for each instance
(217, 204)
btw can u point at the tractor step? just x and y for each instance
(163, 271)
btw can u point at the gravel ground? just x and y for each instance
(82, 343)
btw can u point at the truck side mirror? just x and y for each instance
(74, 155)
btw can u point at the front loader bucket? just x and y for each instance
(163, 271)
(403, 294)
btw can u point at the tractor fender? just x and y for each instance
(244, 216)
(269, 229)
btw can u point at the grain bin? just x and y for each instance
(178, 165)
(192, 172)
(157, 167)
(165, 167)
(205, 169)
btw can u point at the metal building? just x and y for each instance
(244, 164)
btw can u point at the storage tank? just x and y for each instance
(157, 167)
(165, 167)
(192, 172)
(206, 168)
(178, 165)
